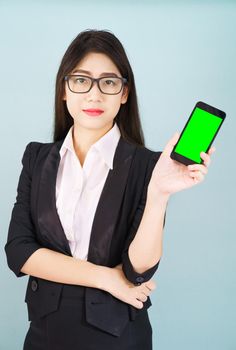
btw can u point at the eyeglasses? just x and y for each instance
(81, 84)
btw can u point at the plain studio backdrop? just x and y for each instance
(181, 52)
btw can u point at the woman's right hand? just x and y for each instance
(124, 290)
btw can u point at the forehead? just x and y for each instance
(97, 63)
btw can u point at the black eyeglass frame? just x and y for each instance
(93, 80)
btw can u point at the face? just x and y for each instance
(94, 65)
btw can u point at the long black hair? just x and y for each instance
(99, 41)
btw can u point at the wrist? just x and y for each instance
(103, 276)
(157, 196)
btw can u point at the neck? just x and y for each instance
(83, 138)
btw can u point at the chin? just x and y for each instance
(96, 123)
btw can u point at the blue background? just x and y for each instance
(181, 52)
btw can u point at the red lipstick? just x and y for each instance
(93, 112)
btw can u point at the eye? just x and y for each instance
(81, 80)
(110, 82)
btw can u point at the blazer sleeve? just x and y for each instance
(127, 266)
(21, 240)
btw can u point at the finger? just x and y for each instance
(196, 175)
(147, 291)
(206, 158)
(211, 150)
(151, 285)
(142, 297)
(138, 304)
(198, 167)
(171, 143)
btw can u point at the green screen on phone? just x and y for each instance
(198, 134)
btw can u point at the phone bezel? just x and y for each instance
(210, 109)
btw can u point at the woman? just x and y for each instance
(88, 220)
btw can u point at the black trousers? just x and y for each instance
(67, 329)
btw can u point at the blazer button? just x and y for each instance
(139, 280)
(34, 285)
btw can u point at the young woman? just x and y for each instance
(88, 220)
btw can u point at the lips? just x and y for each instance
(93, 112)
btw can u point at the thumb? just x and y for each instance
(171, 143)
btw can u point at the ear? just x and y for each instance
(125, 95)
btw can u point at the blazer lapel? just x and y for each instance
(107, 210)
(48, 219)
(109, 204)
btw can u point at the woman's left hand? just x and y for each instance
(170, 176)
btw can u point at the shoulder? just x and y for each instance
(146, 156)
(143, 163)
(35, 150)
(147, 152)
(142, 153)
(35, 146)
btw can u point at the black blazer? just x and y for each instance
(35, 224)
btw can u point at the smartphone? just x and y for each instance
(198, 134)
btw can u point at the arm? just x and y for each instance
(142, 250)
(167, 178)
(57, 267)
(146, 248)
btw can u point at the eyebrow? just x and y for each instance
(89, 73)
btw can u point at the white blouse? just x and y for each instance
(78, 188)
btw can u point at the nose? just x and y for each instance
(95, 93)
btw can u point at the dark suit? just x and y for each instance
(35, 224)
